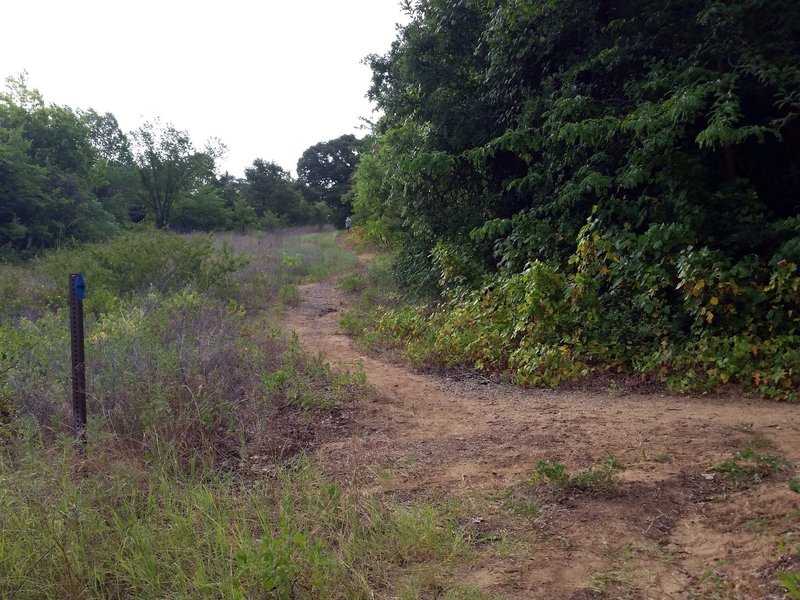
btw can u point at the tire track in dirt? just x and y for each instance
(424, 435)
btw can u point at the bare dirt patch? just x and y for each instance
(671, 527)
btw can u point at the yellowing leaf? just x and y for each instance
(714, 301)
(710, 317)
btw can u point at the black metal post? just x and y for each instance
(78, 360)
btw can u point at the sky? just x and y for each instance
(269, 78)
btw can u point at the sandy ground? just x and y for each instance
(671, 528)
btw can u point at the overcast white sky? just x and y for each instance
(270, 78)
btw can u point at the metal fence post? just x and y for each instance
(77, 291)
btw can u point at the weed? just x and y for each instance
(552, 472)
(591, 481)
(566, 543)
(750, 467)
(791, 582)
(378, 290)
(352, 283)
(289, 295)
(124, 529)
(794, 484)
(184, 377)
(713, 579)
(529, 509)
(603, 581)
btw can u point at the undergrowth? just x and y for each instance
(109, 525)
(377, 292)
(191, 386)
(751, 466)
(541, 327)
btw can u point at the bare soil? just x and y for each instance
(670, 528)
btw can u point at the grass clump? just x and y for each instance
(594, 481)
(355, 282)
(750, 467)
(791, 583)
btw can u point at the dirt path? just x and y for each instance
(670, 529)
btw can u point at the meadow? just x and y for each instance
(196, 479)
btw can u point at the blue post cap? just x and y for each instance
(80, 287)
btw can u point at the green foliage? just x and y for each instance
(790, 581)
(326, 168)
(49, 169)
(205, 210)
(553, 472)
(273, 194)
(167, 498)
(594, 481)
(750, 467)
(136, 262)
(593, 153)
(352, 283)
(308, 382)
(120, 528)
(543, 328)
(289, 295)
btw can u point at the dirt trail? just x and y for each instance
(671, 529)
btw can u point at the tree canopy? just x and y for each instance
(648, 153)
(326, 168)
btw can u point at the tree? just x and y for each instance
(115, 177)
(46, 161)
(647, 151)
(169, 165)
(271, 189)
(327, 168)
(203, 209)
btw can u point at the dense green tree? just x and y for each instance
(47, 161)
(271, 189)
(169, 166)
(24, 203)
(326, 168)
(201, 209)
(115, 176)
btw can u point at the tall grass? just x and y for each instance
(107, 525)
(188, 380)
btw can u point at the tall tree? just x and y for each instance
(327, 168)
(169, 165)
(644, 143)
(115, 176)
(271, 189)
(47, 160)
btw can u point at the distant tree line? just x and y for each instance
(69, 174)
